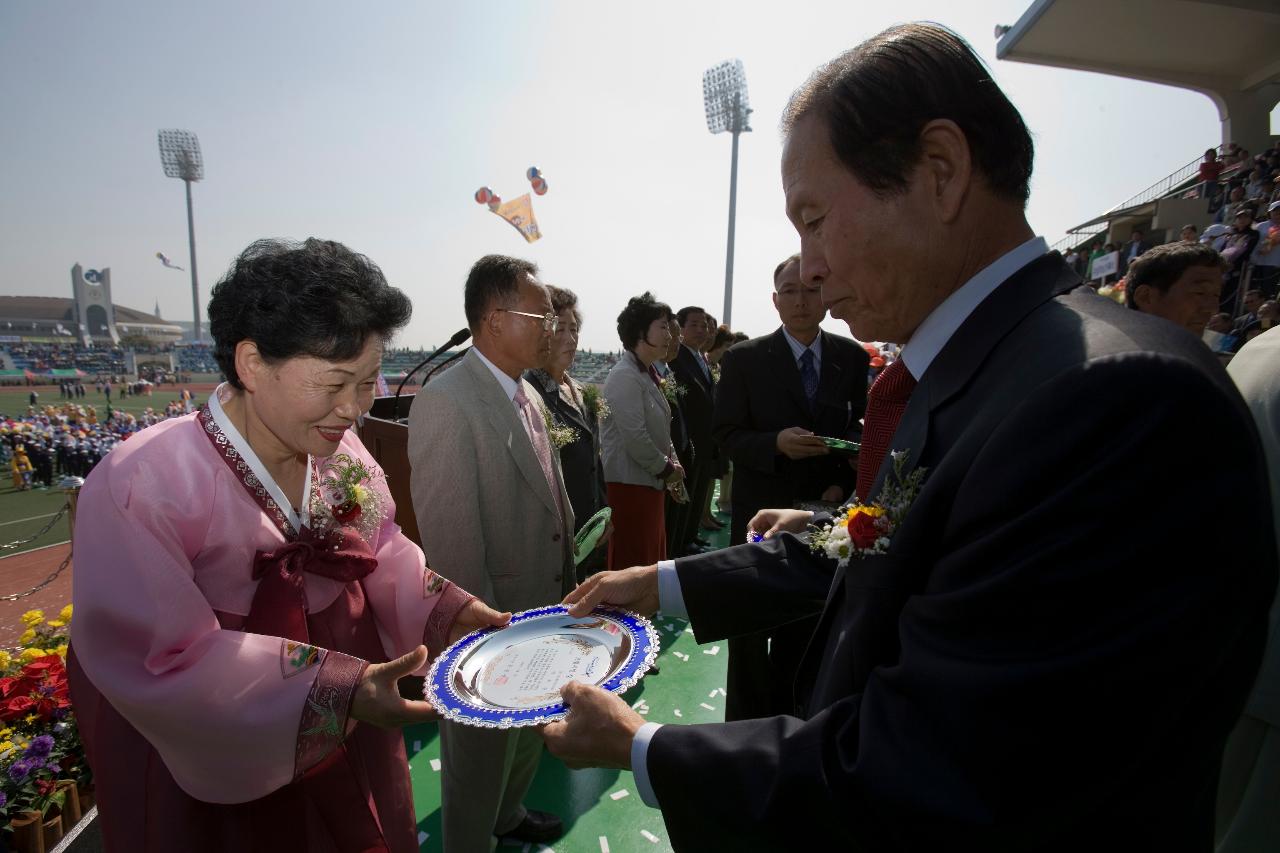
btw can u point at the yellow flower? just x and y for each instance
(6, 746)
(56, 623)
(32, 618)
(33, 653)
(65, 614)
(31, 718)
(5, 660)
(873, 511)
(361, 493)
(27, 636)
(62, 651)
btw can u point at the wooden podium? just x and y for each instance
(388, 440)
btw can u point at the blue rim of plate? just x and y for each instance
(439, 691)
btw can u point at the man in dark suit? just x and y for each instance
(675, 392)
(778, 395)
(694, 374)
(1133, 250)
(1065, 623)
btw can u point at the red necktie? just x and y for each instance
(886, 401)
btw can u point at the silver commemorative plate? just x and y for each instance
(510, 677)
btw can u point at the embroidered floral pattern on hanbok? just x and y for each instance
(298, 657)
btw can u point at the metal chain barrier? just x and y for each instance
(15, 596)
(69, 506)
(20, 542)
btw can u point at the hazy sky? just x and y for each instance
(373, 124)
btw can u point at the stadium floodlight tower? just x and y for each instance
(180, 156)
(724, 93)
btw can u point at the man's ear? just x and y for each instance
(1142, 297)
(947, 160)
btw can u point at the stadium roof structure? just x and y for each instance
(56, 309)
(1225, 49)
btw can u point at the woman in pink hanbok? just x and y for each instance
(245, 603)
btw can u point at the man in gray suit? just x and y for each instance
(495, 518)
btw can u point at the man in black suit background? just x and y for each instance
(1065, 624)
(778, 395)
(694, 374)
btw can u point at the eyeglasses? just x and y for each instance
(550, 322)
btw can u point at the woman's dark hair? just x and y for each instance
(724, 337)
(1162, 266)
(563, 299)
(315, 298)
(635, 319)
(876, 98)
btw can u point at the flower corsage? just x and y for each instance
(671, 389)
(861, 530)
(346, 497)
(594, 402)
(559, 434)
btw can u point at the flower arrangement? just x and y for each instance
(715, 374)
(594, 402)
(40, 748)
(559, 434)
(346, 497)
(671, 389)
(1115, 291)
(861, 530)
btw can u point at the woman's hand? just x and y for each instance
(476, 615)
(676, 474)
(377, 698)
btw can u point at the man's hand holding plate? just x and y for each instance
(634, 589)
(598, 730)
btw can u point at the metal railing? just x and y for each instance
(69, 506)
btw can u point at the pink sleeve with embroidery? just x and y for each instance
(411, 603)
(234, 716)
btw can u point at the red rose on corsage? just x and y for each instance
(347, 513)
(863, 531)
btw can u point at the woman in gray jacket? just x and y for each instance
(639, 459)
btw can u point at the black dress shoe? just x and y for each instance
(537, 827)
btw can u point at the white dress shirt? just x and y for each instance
(797, 349)
(918, 353)
(508, 384)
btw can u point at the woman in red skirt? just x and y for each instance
(639, 458)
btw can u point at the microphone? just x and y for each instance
(458, 337)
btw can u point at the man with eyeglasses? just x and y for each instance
(492, 508)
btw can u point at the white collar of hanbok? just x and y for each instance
(297, 519)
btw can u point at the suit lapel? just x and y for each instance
(502, 416)
(784, 362)
(830, 376)
(967, 350)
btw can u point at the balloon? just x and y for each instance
(533, 174)
(495, 202)
(540, 187)
(871, 350)
(877, 362)
(483, 195)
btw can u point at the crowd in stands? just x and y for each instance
(1243, 193)
(108, 363)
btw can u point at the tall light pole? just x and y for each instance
(724, 93)
(180, 156)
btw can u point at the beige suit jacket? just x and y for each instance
(488, 520)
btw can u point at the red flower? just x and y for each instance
(347, 513)
(16, 707)
(863, 530)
